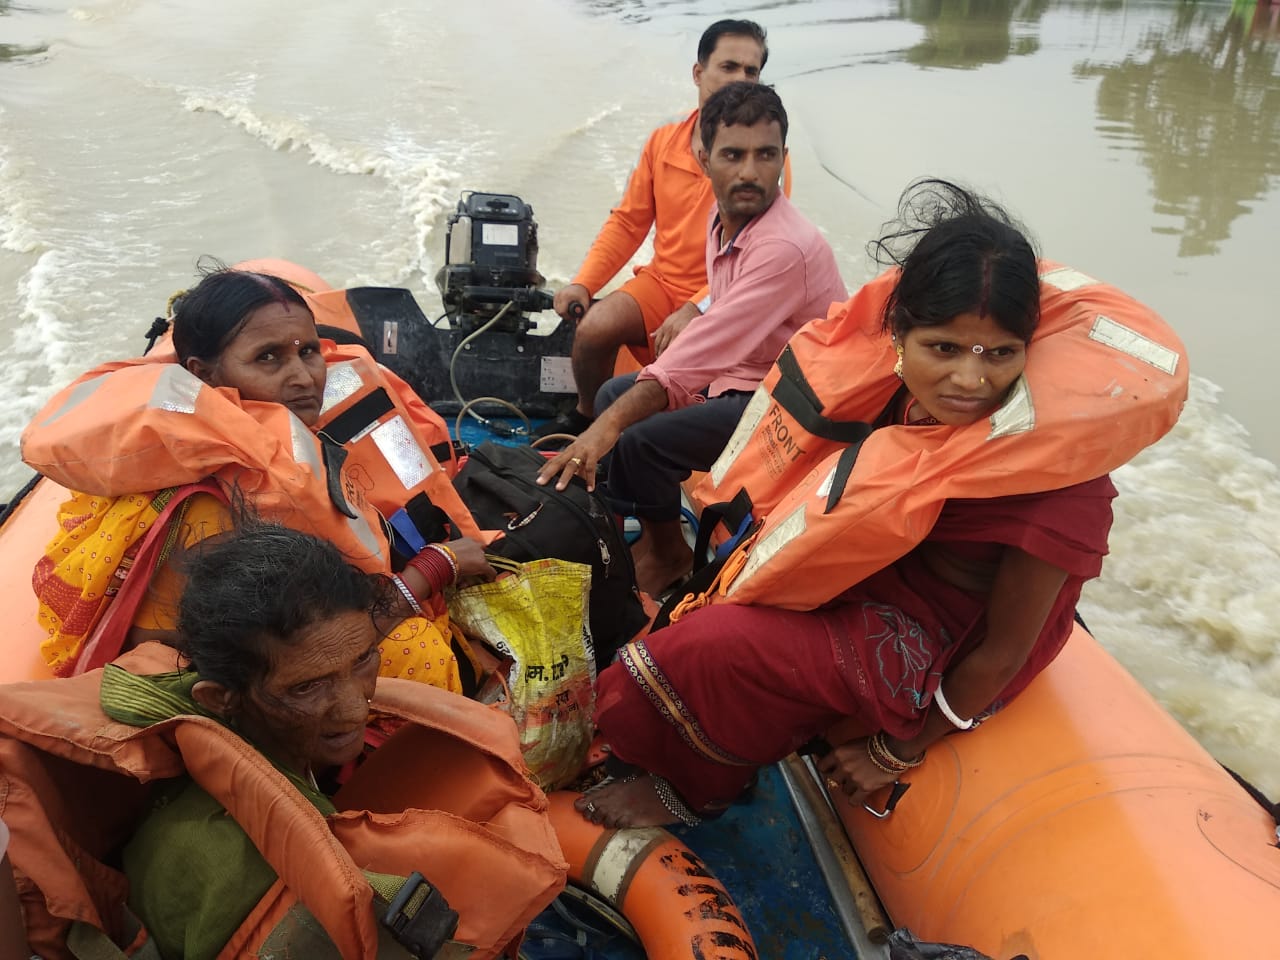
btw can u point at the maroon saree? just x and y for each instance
(729, 688)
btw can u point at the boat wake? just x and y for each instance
(1188, 596)
(425, 177)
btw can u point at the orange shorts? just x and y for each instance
(657, 301)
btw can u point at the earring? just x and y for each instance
(897, 367)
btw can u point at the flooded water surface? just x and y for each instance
(1140, 142)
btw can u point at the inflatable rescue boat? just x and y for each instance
(1081, 821)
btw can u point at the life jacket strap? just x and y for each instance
(418, 915)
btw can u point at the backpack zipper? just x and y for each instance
(606, 555)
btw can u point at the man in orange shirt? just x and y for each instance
(667, 188)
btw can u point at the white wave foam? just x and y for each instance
(16, 230)
(1188, 597)
(426, 184)
(38, 354)
(104, 11)
(595, 119)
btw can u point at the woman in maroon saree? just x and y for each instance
(930, 644)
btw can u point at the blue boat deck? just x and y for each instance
(759, 851)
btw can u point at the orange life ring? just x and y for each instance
(672, 899)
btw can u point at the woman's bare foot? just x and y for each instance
(630, 802)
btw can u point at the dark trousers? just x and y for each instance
(653, 456)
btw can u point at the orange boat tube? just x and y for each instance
(23, 537)
(1081, 821)
(678, 908)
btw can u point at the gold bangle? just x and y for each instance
(882, 756)
(880, 765)
(890, 758)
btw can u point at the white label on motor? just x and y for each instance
(555, 375)
(500, 234)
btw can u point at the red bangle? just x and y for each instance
(435, 569)
(448, 555)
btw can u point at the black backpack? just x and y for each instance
(497, 485)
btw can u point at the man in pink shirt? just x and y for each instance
(668, 192)
(771, 271)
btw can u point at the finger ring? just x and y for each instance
(590, 807)
(576, 461)
(832, 785)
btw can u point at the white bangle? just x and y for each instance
(403, 587)
(947, 712)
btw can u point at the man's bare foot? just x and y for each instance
(641, 548)
(657, 571)
(630, 802)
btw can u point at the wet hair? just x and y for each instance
(250, 591)
(959, 253)
(731, 28)
(208, 317)
(741, 102)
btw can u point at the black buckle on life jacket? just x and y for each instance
(421, 922)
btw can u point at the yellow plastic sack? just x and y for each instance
(536, 614)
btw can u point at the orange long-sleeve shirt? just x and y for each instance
(667, 188)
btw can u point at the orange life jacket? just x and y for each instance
(466, 817)
(137, 425)
(387, 431)
(332, 308)
(1105, 377)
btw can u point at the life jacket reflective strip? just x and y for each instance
(676, 905)
(155, 425)
(332, 308)
(473, 823)
(1105, 377)
(390, 436)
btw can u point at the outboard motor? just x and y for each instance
(491, 261)
(484, 344)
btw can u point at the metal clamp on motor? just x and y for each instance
(420, 918)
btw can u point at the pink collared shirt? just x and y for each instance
(776, 275)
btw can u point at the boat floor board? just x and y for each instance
(759, 852)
